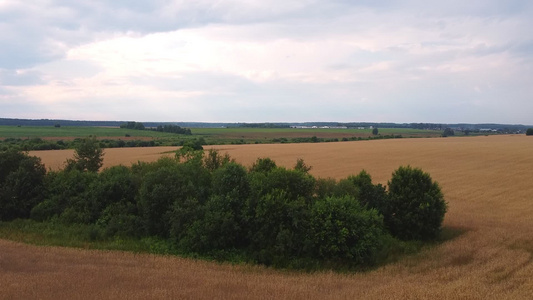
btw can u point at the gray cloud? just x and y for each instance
(389, 60)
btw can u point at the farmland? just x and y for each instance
(234, 135)
(65, 132)
(488, 252)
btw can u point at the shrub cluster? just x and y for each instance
(208, 205)
(172, 129)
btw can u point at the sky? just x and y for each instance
(397, 61)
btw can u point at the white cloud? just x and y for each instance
(399, 61)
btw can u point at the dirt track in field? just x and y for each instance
(486, 180)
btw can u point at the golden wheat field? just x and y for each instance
(487, 182)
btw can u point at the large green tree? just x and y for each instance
(416, 206)
(21, 184)
(88, 156)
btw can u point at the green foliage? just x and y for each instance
(295, 184)
(206, 204)
(279, 225)
(529, 131)
(133, 125)
(213, 160)
(416, 206)
(301, 166)
(121, 219)
(343, 231)
(115, 185)
(173, 129)
(223, 224)
(114, 195)
(325, 187)
(263, 165)
(69, 197)
(448, 132)
(88, 156)
(170, 197)
(375, 131)
(368, 194)
(21, 184)
(359, 186)
(157, 194)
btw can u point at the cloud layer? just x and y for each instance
(256, 61)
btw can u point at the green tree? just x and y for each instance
(343, 231)
(21, 184)
(361, 188)
(69, 196)
(213, 160)
(171, 196)
(529, 131)
(295, 184)
(263, 165)
(448, 132)
(301, 166)
(223, 225)
(88, 156)
(279, 228)
(375, 131)
(133, 125)
(115, 185)
(416, 206)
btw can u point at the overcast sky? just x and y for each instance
(268, 61)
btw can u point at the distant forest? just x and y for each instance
(435, 126)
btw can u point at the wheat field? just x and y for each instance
(486, 182)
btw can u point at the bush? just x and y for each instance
(114, 201)
(157, 194)
(448, 132)
(529, 131)
(325, 187)
(279, 227)
(359, 187)
(171, 196)
(69, 196)
(115, 185)
(121, 219)
(343, 231)
(263, 165)
(416, 206)
(294, 183)
(21, 184)
(368, 194)
(223, 224)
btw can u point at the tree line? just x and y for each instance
(160, 128)
(206, 204)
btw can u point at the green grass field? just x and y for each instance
(75, 131)
(234, 135)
